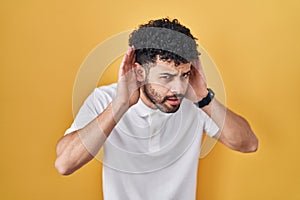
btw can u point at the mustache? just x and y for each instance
(177, 96)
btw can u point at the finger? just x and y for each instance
(198, 67)
(121, 69)
(126, 62)
(133, 62)
(134, 55)
(196, 64)
(194, 73)
(131, 57)
(201, 71)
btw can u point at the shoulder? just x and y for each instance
(106, 89)
(191, 110)
(188, 107)
(105, 92)
(101, 97)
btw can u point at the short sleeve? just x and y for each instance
(94, 104)
(210, 127)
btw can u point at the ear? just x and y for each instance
(140, 72)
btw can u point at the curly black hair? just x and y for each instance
(165, 38)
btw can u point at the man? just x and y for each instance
(150, 123)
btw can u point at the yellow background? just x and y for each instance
(255, 45)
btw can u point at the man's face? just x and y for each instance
(166, 85)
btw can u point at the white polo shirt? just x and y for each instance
(149, 155)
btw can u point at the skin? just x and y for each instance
(163, 87)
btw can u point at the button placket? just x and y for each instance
(156, 122)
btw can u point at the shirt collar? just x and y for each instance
(143, 110)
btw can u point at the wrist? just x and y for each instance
(201, 96)
(119, 108)
(207, 99)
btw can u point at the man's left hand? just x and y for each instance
(197, 88)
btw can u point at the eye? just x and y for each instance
(186, 75)
(165, 76)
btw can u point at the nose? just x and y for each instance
(178, 86)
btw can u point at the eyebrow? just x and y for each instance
(174, 74)
(168, 73)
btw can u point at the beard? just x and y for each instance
(160, 101)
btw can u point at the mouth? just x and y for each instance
(173, 101)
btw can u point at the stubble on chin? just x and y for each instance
(152, 95)
(158, 101)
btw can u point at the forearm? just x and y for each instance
(235, 132)
(77, 148)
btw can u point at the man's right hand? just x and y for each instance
(79, 147)
(128, 92)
